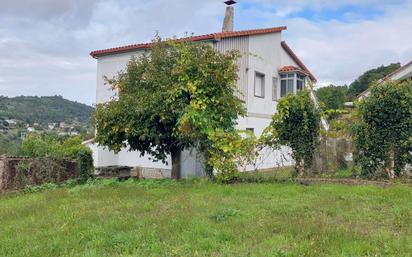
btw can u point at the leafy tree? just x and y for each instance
(297, 125)
(170, 100)
(332, 97)
(383, 133)
(366, 79)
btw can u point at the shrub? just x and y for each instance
(297, 125)
(229, 152)
(70, 148)
(383, 134)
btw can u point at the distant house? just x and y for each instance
(11, 122)
(401, 74)
(270, 72)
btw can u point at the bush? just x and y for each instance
(297, 125)
(383, 134)
(70, 148)
(229, 152)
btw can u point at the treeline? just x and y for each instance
(334, 97)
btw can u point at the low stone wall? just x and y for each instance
(124, 172)
(18, 172)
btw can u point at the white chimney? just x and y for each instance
(229, 16)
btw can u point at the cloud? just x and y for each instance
(44, 44)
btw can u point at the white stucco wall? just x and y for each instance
(266, 57)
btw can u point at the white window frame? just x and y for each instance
(302, 78)
(293, 77)
(262, 85)
(275, 82)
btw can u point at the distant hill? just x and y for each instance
(43, 110)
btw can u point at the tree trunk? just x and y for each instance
(207, 166)
(390, 166)
(175, 163)
(300, 168)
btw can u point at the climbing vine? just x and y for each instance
(382, 133)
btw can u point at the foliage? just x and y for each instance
(43, 110)
(368, 78)
(170, 100)
(383, 133)
(296, 124)
(229, 152)
(339, 123)
(170, 218)
(70, 148)
(10, 145)
(332, 97)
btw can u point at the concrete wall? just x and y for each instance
(260, 53)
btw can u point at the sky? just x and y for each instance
(45, 44)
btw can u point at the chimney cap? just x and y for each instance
(231, 2)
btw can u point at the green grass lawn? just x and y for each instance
(195, 218)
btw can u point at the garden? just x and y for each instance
(201, 218)
(184, 96)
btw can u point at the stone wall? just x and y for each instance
(333, 154)
(124, 172)
(18, 172)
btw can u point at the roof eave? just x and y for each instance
(207, 37)
(298, 61)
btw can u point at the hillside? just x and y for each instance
(53, 115)
(43, 110)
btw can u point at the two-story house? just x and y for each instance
(268, 70)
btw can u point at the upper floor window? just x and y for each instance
(259, 85)
(300, 82)
(286, 84)
(291, 83)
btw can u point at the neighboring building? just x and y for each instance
(269, 72)
(403, 73)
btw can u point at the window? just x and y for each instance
(300, 82)
(286, 84)
(251, 130)
(275, 89)
(259, 85)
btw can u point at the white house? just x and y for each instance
(268, 70)
(403, 73)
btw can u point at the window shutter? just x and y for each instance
(275, 89)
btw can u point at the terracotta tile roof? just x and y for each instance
(290, 68)
(298, 61)
(213, 36)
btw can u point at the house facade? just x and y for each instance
(268, 70)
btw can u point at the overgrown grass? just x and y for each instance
(198, 218)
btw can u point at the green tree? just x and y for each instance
(332, 97)
(366, 79)
(383, 133)
(297, 125)
(170, 100)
